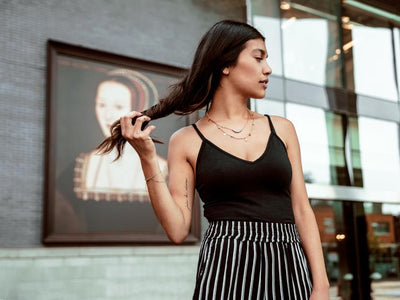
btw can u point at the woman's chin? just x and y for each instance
(106, 132)
(259, 96)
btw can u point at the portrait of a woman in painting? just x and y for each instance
(101, 177)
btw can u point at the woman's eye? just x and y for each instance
(259, 58)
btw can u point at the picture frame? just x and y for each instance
(90, 199)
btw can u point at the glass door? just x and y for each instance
(361, 244)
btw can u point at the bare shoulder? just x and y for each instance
(183, 135)
(185, 140)
(284, 129)
(282, 124)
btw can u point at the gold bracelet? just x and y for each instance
(159, 181)
(152, 178)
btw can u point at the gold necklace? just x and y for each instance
(231, 129)
(245, 138)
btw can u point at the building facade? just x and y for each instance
(160, 31)
(336, 74)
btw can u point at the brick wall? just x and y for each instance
(98, 273)
(156, 30)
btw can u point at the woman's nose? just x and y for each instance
(267, 69)
(111, 115)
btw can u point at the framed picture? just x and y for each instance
(90, 198)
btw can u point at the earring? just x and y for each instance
(225, 71)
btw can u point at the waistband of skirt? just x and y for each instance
(256, 231)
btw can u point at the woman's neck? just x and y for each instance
(228, 107)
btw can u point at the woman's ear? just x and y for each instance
(225, 71)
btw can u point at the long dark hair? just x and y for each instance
(219, 48)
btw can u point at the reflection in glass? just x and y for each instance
(373, 62)
(353, 154)
(270, 28)
(372, 56)
(266, 18)
(370, 47)
(325, 216)
(338, 168)
(383, 236)
(379, 143)
(383, 225)
(310, 48)
(313, 141)
(268, 107)
(330, 145)
(396, 35)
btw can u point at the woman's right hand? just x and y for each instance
(139, 139)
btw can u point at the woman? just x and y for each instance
(98, 177)
(246, 168)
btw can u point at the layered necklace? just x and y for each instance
(224, 128)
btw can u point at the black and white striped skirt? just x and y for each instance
(252, 260)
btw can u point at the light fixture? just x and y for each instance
(348, 26)
(347, 46)
(340, 237)
(376, 11)
(285, 5)
(333, 58)
(288, 22)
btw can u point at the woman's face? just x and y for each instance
(113, 100)
(250, 74)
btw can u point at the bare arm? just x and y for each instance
(172, 205)
(304, 215)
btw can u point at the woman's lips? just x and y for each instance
(264, 83)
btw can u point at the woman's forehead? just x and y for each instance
(110, 88)
(114, 92)
(256, 45)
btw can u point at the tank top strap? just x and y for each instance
(270, 124)
(198, 131)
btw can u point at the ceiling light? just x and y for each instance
(285, 5)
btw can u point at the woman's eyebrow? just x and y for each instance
(262, 52)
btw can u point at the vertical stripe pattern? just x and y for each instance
(252, 260)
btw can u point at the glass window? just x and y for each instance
(310, 48)
(266, 18)
(329, 225)
(313, 139)
(336, 145)
(373, 62)
(330, 146)
(269, 107)
(379, 153)
(353, 152)
(369, 54)
(270, 28)
(396, 34)
(380, 228)
(381, 235)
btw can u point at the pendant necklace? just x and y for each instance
(231, 129)
(221, 128)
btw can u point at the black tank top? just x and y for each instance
(236, 189)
